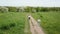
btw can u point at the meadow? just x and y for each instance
(13, 23)
(50, 21)
(15, 20)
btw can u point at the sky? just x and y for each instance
(40, 3)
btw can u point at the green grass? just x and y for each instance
(27, 25)
(50, 21)
(18, 18)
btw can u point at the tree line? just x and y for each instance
(28, 9)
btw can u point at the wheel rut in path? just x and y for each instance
(34, 27)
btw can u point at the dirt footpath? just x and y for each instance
(34, 27)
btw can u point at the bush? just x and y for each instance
(12, 9)
(44, 9)
(12, 24)
(4, 27)
(3, 9)
(7, 27)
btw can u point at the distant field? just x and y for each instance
(50, 21)
(13, 23)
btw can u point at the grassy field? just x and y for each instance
(50, 21)
(13, 23)
(17, 23)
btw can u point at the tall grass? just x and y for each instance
(15, 22)
(50, 21)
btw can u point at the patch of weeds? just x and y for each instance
(4, 27)
(7, 27)
(41, 16)
(12, 24)
(1, 33)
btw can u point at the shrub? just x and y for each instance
(4, 27)
(44, 9)
(12, 9)
(7, 27)
(3, 9)
(12, 24)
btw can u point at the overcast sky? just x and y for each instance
(43, 3)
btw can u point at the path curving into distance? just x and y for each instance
(34, 27)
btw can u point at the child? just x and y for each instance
(29, 17)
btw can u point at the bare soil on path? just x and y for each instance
(34, 27)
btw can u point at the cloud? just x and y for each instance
(44, 3)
